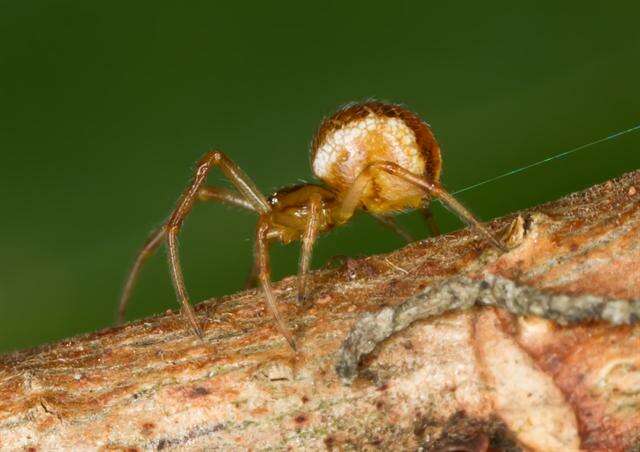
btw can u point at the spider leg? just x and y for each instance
(149, 247)
(224, 196)
(264, 276)
(178, 281)
(242, 183)
(352, 198)
(308, 239)
(229, 197)
(430, 219)
(390, 223)
(439, 192)
(453, 204)
(205, 193)
(252, 279)
(251, 196)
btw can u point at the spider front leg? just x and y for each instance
(251, 197)
(244, 185)
(155, 239)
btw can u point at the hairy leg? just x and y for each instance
(252, 279)
(224, 196)
(244, 185)
(228, 197)
(155, 239)
(430, 219)
(178, 281)
(352, 198)
(149, 247)
(390, 223)
(308, 239)
(251, 198)
(205, 193)
(264, 276)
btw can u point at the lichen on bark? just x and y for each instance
(464, 292)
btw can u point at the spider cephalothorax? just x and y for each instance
(381, 158)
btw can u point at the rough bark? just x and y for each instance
(466, 377)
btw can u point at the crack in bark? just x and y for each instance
(50, 411)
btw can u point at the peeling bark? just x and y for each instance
(465, 360)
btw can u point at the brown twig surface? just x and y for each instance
(474, 378)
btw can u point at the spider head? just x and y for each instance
(361, 134)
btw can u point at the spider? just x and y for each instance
(372, 156)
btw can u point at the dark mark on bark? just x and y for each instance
(192, 434)
(147, 428)
(466, 434)
(329, 442)
(198, 391)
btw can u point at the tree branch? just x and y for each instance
(468, 376)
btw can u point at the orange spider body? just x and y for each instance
(360, 135)
(290, 215)
(376, 157)
(344, 146)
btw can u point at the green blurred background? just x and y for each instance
(105, 107)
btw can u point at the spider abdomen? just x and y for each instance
(357, 136)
